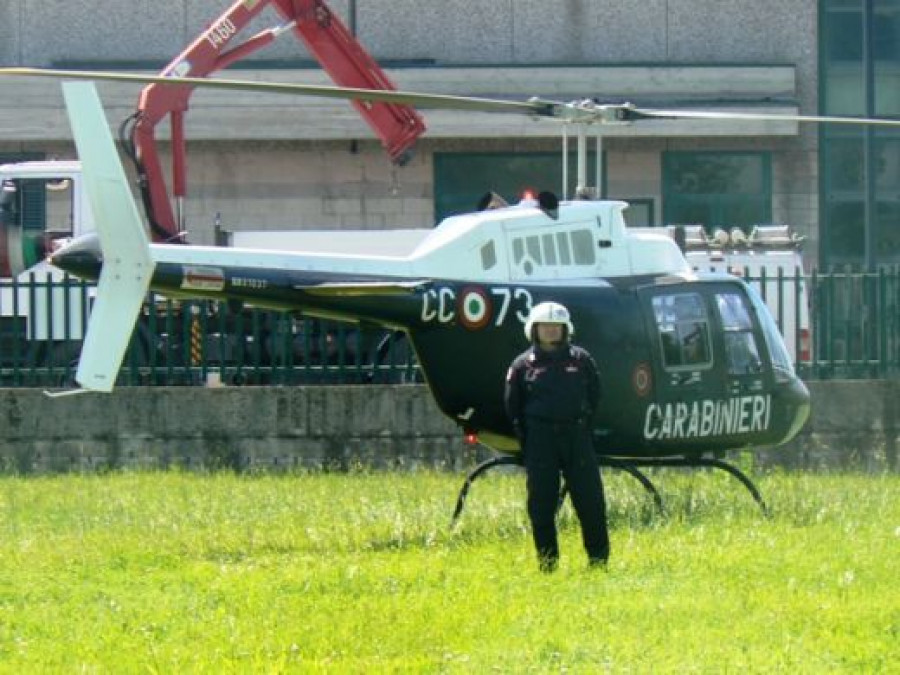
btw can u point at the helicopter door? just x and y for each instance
(688, 376)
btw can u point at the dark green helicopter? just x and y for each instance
(692, 364)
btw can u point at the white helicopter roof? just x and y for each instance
(580, 240)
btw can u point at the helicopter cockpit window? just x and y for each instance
(488, 256)
(741, 351)
(583, 247)
(781, 360)
(683, 327)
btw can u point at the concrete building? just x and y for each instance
(270, 162)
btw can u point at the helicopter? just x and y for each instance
(693, 364)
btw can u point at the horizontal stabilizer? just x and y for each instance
(127, 264)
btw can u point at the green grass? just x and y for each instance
(175, 572)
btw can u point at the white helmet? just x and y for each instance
(548, 312)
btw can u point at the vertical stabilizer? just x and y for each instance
(127, 264)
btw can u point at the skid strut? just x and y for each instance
(630, 466)
(505, 460)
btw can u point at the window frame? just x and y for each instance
(684, 366)
(745, 327)
(719, 202)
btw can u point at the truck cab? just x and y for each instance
(42, 316)
(40, 203)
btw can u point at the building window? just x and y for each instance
(848, 61)
(717, 189)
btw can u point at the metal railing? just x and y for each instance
(841, 324)
(856, 324)
(44, 318)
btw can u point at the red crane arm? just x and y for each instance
(326, 38)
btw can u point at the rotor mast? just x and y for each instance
(583, 189)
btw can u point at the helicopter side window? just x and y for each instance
(533, 244)
(741, 351)
(527, 253)
(488, 256)
(683, 330)
(518, 250)
(549, 249)
(583, 247)
(562, 244)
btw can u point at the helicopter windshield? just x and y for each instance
(741, 352)
(781, 360)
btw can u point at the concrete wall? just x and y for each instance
(854, 425)
(246, 428)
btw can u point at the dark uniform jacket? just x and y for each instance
(561, 386)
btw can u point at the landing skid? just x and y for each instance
(630, 466)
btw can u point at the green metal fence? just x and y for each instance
(44, 318)
(841, 324)
(856, 324)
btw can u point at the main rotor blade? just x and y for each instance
(643, 113)
(585, 111)
(436, 101)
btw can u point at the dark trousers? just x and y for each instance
(554, 449)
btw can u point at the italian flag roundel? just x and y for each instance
(474, 308)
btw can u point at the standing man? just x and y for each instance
(552, 389)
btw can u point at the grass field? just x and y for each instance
(175, 572)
